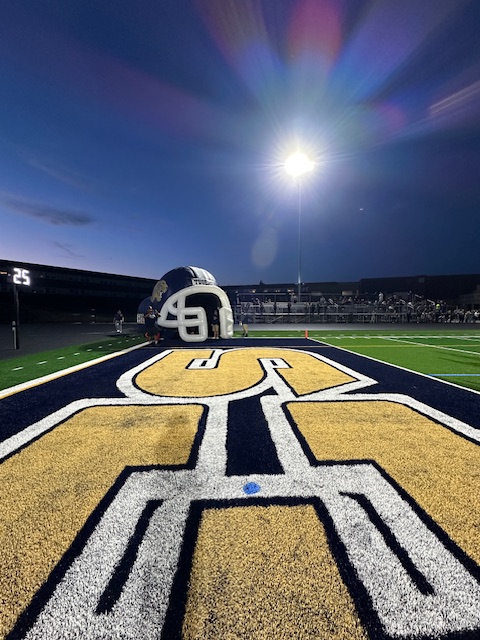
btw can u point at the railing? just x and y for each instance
(323, 314)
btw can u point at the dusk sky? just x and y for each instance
(138, 136)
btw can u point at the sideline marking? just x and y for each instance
(390, 364)
(405, 345)
(4, 393)
(454, 375)
(432, 346)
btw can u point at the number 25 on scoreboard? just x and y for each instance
(21, 276)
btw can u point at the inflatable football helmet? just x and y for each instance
(185, 299)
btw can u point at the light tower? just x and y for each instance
(297, 165)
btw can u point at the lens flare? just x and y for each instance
(298, 163)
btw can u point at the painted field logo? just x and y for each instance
(242, 493)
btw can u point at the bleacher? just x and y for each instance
(301, 313)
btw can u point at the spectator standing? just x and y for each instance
(245, 319)
(215, 324)
(118, 321)
(409, 311)
(152, 330)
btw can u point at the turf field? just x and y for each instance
(15, 371)
(261, 488)
(452, 355)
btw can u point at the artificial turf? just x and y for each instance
(15, 371)
(452, 355)
(256, 512)
(453, 358)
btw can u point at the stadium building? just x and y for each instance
(53, 294)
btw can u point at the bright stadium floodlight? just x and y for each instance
(297, 165)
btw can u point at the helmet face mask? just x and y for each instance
(186, 298)
(189, 311)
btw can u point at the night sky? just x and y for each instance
(138, 136)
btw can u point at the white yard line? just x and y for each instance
(431, 346)
(397, 366)
(58, 374)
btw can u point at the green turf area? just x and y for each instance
(452, 358)
(451, 355)
(25, 368)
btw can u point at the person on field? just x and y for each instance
(118, 321)
(245, 319)
(152, 330)
(215, 325)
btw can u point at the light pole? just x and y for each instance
(19, 276)
(296, 165)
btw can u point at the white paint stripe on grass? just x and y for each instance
(404, 345)
(431, 346)
(58, 374)
(454, 375)
(397, 366)
(440, 336)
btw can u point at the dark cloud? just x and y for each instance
(67, 250)
(51, 215)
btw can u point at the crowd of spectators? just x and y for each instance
(353, 308)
